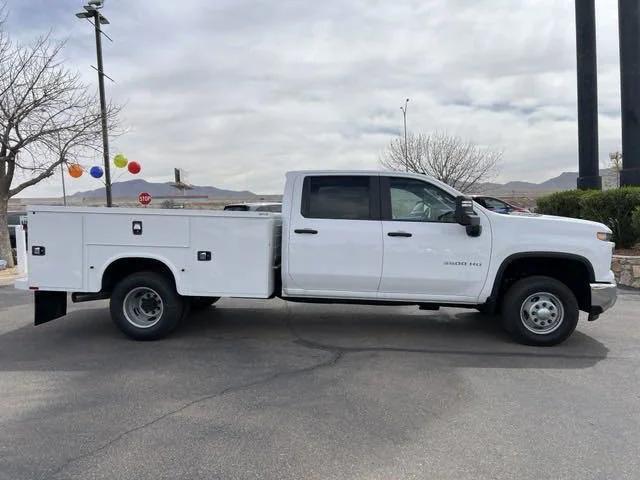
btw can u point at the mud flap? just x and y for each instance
(49, 306)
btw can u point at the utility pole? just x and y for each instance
(93, 11)
(103, 107)
(406, 150)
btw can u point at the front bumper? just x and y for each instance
(603, 297)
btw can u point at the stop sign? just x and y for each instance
(144, 198)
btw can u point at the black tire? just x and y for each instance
(484, 309)
(521, 325)
(199, 303)
(170, 309)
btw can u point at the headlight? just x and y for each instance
(604, 236)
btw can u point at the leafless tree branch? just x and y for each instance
(47, 117)
(457, 162)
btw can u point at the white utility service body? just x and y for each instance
(209, 253)
(343, 236)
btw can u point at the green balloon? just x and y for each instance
(120, 160)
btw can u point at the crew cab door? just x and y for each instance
(427, 255)
(335, 237)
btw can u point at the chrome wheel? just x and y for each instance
(542, 313)
(143, 307)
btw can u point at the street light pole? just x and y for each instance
(103, 107)
(406, 150)
(92, 11)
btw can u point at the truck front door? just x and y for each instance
(427, 255)
(335, 237)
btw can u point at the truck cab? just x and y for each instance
(383, 236)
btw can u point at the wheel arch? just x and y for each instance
(573, 270)
(119, 267)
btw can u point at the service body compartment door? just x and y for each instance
(335, 237)
(55, 250)
(131, 230)
(232, 255)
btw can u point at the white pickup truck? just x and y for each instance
(343, 237)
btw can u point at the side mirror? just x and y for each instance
(466, 217)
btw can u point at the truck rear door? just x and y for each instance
(335, 236)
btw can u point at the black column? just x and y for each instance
(588, 171)
(629, 28)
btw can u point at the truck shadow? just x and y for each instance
(450, 337)
(457, 337)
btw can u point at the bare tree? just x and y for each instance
(457, 162)
(615, 163)
(47, 117)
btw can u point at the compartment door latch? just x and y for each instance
(136, 227)
(204, 256)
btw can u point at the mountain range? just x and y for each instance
(564, 181)
(131, 188)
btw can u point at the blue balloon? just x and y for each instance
(96, 172)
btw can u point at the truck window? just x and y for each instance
(237, 208)
(337, 197)
(495, 204)
(418, 201)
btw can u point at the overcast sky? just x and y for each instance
(237, 92)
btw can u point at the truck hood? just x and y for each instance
(546, 222)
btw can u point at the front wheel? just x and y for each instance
(540, 311)
(146, 306)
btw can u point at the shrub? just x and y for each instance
(618, 208)
(563, 204)
(614, 208)
(635, 222)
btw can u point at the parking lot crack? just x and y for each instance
(329, 362)
(343, 350)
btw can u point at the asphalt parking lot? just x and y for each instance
(270, 390)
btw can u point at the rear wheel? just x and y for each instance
(484, 308)
(540, 311)
(199, 303)
(146, 306)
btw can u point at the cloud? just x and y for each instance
(237, 92)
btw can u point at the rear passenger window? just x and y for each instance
(237, 208)
(336, 197)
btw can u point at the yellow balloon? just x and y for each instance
(120, 160)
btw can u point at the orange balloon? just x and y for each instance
(75, 170)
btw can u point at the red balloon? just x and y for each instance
(134, 167)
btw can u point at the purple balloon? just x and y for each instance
(96, 172)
